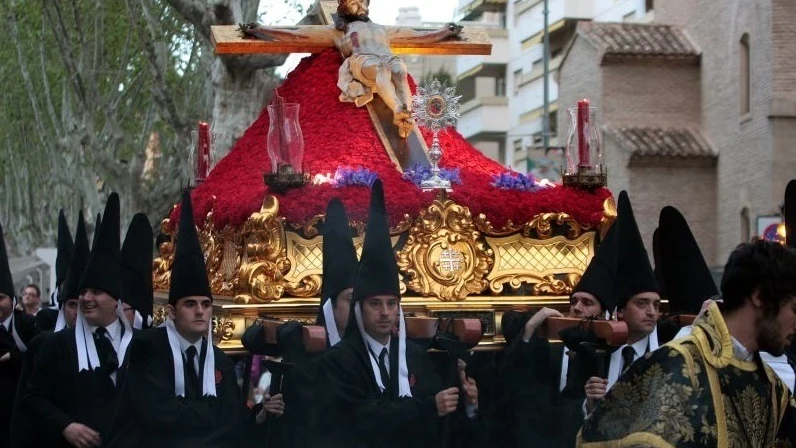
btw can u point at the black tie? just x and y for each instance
(628, 354)
(105, 351)
(193, 378)
(385, 377)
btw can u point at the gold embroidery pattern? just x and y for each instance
(651, 402)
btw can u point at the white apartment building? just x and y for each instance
(503, 94)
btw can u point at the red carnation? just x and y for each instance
(219, 377)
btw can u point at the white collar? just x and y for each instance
(740, 352)
(331, 323)
(113, 329)
(7, 322)
(640, 346)
(404, 389)
(375, 346)
(184, 344)
(208, 369)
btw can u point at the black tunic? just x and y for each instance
(150, 414)
(539, 414)
(22, 428)
(355, 413)
(57, 394)
(10, 369)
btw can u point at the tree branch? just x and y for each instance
(194, 12)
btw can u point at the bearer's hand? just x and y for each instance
(81, 436)
(271, 405)
(469, 388)
(447, 401)
(595, 391)
(454, 29)
(5, 357)
(537, 320)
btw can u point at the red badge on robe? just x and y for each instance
(412, 380)
(219, 377)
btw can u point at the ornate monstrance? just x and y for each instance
(476, 251)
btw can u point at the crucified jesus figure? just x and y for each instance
(370, 66)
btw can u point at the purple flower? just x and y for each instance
(417, 174)
(347, 176)
(512, 180)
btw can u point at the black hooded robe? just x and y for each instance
(57, 394)
(293, 428)
(150, 415)
(355, 413)
(541, 415)
(10, 369)
(22, 427)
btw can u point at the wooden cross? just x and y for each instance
(405, 153)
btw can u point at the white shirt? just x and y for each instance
(375, 348)
(7, 322)
(114, 333)
(615, 368)
(184, 344)
(562, 383)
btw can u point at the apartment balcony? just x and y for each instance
(473, 65)
(469, 9)
(484, 118)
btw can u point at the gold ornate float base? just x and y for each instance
(451, 264)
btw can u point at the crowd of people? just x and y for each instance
(94, 372)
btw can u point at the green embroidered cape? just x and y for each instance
(691, 393)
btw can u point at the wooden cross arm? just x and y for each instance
(229, 40)
(612, 332)
(314, 337)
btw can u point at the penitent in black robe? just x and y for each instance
(355, 413)
(57, 394)
(150, 415)
(539, 414)
(298, 392)
(10, 369)
(22, 427)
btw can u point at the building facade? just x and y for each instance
(503, 94)
(698, 111)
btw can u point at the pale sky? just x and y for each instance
(277, 12)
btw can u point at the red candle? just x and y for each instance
(583, 135)
(203, 151)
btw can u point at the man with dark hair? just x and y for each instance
(711, 388)
(71, 259)
(638, 302)
(181, 390)
(378, 388)
(31, 299)
(542, 382)
(77, 372)
(280, 414)
(16, 331)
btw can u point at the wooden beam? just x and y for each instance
(228, 40)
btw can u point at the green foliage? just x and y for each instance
(82, 99)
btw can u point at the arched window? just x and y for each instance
(746, 226)
(744, 65)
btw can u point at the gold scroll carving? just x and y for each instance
(443, 256)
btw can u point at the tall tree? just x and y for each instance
(101, 95)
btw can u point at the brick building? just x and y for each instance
(698, 110)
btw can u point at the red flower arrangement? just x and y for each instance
(340, 134)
